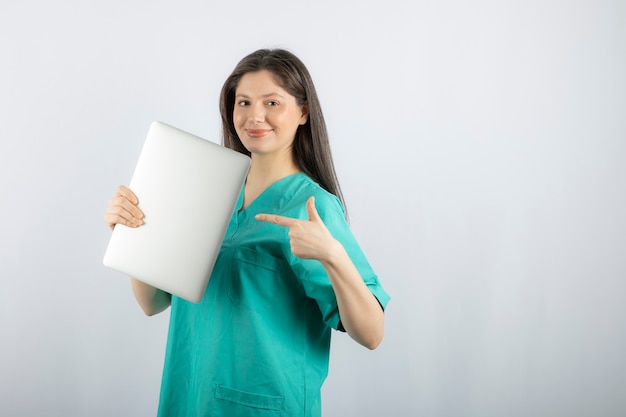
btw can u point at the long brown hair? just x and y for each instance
(310, 150)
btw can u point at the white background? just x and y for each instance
(481, 147)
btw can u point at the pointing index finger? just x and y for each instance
(279, 220)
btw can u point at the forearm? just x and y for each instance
(360, 312)
(151, 300)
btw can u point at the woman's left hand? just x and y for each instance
(310, 239)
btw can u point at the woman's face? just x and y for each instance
(266, 116)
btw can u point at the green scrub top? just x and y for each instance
(258, 342)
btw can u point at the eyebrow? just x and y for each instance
(263, 96)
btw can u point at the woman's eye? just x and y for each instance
(272, 103)
(243, 103)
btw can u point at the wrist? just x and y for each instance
(335, 252)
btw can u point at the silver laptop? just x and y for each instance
(187, 189)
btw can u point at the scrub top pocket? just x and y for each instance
(253, 279)
(233, 402)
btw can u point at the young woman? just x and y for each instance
(289, 268)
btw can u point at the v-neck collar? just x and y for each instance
(272, 197)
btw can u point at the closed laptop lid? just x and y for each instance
(187, 188)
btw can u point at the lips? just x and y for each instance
(257, 133)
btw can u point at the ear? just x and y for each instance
(305, 114)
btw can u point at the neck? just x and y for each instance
(264, 172)
(271, 167)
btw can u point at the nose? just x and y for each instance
(257, 113)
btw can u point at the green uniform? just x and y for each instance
(258, 342)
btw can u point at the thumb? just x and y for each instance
(311, 210)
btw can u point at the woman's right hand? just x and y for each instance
(122, 209)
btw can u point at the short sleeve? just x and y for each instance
(312, 274)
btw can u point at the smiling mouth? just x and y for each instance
(257, 133)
